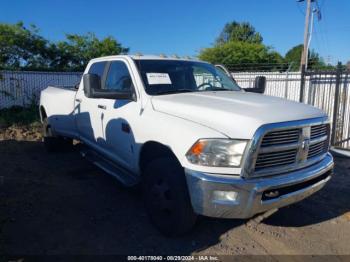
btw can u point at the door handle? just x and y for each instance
(78, 100)
(102, 107)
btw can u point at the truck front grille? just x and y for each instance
(288, 149)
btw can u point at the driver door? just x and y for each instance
(119, 116)
(88, 111)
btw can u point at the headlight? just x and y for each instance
(217, 152)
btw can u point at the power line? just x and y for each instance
(323, 33)
(265, 63)
(262, 63)
(300, 10)
(318, 43)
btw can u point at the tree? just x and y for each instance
(77, 50)
(22, 47)
(314, 59)
(236, 55)
(242, 32)
(239, 47)
(294, 56)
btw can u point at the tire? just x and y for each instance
(166, 197)
(54, 143)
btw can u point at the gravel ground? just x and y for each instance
(62, 204)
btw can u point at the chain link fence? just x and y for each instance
(22, 88)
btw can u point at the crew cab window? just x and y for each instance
(118, 77)
(97, 68)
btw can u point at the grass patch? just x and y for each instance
(19, 115)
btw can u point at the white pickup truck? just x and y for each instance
(196, 142)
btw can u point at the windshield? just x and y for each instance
(176, 76)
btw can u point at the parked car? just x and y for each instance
(195, 141)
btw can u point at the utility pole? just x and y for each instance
(304, 55)
(310, 36)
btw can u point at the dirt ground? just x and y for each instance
(62, 204)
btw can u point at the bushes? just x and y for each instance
(17, 115)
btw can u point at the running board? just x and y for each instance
(124, 176)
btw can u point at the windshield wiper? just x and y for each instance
(174, 91)
(218, 89)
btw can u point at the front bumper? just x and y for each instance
(254, 195)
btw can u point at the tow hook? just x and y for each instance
(272, 194)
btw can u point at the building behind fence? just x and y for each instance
(21, 88)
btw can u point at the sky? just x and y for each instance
(184, 27)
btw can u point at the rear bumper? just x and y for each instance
(248, 197)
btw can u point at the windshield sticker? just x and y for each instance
(158, 79)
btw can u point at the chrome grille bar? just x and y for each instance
(318, 131)
(275, 159)
(281, 137)
(317, 149)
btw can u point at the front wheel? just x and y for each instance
(166, 197)
(55, 143)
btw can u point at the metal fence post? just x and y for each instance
(302, 84)
(336, 103)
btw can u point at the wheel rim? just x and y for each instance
(46, 129)
(161, 197)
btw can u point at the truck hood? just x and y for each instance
(233, 113)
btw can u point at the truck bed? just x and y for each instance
(58, 102)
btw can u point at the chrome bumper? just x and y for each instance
(251, 196)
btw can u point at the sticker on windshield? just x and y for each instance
(158, 79)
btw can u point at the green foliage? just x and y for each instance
(314, 59)
(23, 48)
(77, 50)
(294, 55)
(239, 47)
(236, 53)
(19, 115)
(242, 32)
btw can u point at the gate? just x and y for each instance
(329, 91)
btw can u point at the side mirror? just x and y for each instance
(92, 89)
(92, 82)
(259, 85)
